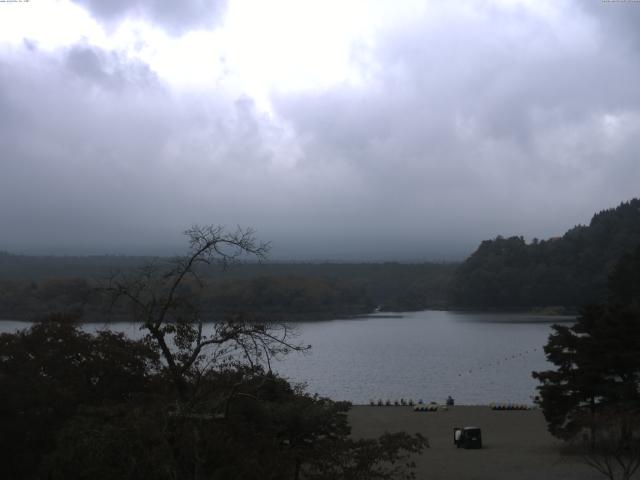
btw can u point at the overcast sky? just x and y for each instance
(337, 129)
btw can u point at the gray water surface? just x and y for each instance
(475, 357)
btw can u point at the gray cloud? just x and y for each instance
(617, 21)
(175, 17)
(107, 69)
(496, 122)
(93, 157)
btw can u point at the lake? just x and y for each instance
(477, 358)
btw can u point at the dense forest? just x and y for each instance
(568, 271)
(34, 286)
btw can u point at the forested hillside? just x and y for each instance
(568, 271)
(34, 286)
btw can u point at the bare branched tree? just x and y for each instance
(614, 451)
(163, 298)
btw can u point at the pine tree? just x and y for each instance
(597, 359)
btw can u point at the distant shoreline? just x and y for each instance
(550, 311)
(93, 318)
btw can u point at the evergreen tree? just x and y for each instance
(597, 359)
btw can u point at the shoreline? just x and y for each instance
(95, 317)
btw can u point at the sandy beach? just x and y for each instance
(516, 444)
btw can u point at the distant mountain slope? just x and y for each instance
(569, 271)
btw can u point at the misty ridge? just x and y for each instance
(556, 275)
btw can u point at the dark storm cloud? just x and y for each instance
(174, 16)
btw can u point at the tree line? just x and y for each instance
(568, 271)
(289, 291)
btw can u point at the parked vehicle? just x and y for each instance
(467, 437)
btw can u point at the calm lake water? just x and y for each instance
(474, 357)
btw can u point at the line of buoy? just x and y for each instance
(496, 363)
(510, 406)
(434, 407)
(389, 403)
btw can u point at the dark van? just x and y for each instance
(467, 437)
